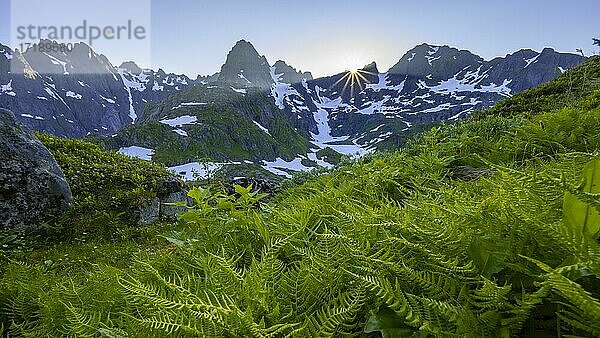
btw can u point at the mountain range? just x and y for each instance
(255, 113)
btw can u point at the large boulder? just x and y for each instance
(32, 186)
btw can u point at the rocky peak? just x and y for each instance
(6, 56)
(204, 79)
(527, 68)
(371, 68)
(80, 60)
(289, 74)
(245, 67)
(439, 62)
(131, 67)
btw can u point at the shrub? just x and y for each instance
(107, 187)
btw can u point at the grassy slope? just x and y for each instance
(404, 243)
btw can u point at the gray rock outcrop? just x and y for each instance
(170, 190)
(32, 186)
(289, 74)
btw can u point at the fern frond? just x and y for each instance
(165, 323)
(81, 324)
(337, 317)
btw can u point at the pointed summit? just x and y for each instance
(244, 67)
(131, 66)
(244, 47)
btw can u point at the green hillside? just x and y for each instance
(484, 228)
(225, 129)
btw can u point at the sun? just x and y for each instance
(352, 67)
(354, 76)
(352, 63)
(353, 79)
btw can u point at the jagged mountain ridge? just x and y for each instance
(245, 67)
(80, 92)
(375, 110)
(429, 83)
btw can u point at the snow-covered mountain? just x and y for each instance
(261, 111)
(373, 109)
(79, 92)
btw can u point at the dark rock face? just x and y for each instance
(441, 62)
(529, 68)
(244, 67)
(371, 68)
(32, 186)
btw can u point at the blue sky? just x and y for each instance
(328, 36)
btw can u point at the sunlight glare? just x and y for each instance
(353, 62)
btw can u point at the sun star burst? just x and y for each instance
(353, 78)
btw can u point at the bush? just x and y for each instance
(107, 187)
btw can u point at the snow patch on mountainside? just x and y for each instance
(531, 60)
(74, 95)
(383, 83)
(430, 58)
(7, 89)
(454, 85)
(180, 132)
(192, 171)
(262, 128)
(128, 85)
(241, 91)
(29, 116)
(138, 152)
(281, 91)
(157, 88)
(180, 121)
(324, 138)
(189, 104)
(321, 117)
(373, 108)
(107, 99)
(279, 166)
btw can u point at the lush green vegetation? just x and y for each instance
(487, 227)
(107, 187)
